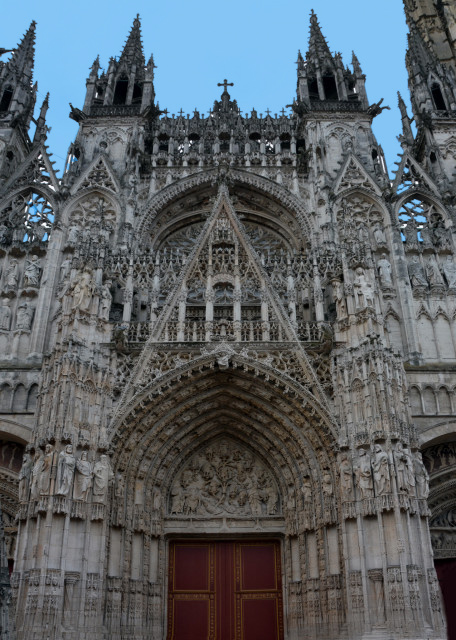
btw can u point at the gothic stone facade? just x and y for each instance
(232, 328)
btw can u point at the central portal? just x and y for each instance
(225, 590)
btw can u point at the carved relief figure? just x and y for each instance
(422, 477)
(384, 271)
(346, 478)
(12, 275)
(24, 476)
(105, 301)
(379, 235)
(341, 303)
(65, 471)
(224, 479)
(24, 316)
(364, 291)
(102, 477)
(5, 315)
(381, 471)
(363, 473)
(82, 478)
(400, 461)
(449, 271)
(32, 272)
(44, 478)
(434, 277)
(416, 273)
(83, 290)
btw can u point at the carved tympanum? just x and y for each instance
(224, 478)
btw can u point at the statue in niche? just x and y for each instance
(306, 490)
(65, 471)
(44, 470)
(346, 479)
(327, 486)
(12, 275)
(82, 290)
(363, 289)
(384, 271)
(5, 315)
(433, 275)
(410, 471)
(380, 467)
(379, 235)
(449, 271)
(24, 316)
(119, 490)
(224, 480)
(24, 476)
(73, 236)
(422, 477)
(102, 478)
(363, 474)
(82, 478)
(105, 300)
(32, 272)
(400, 461)
(416, 273)
(35, 476)
(339, 295)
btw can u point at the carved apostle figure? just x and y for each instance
(364, 291)
(24, 476)
(410, 471)
(24, 316)
(416, 273)
(381, 471)
(422, 477)
(35, 474)
(363, 473)
(82, 478)
(5, 315)
(65, 471)
(12, 275)
(65, 269)
(400, 461)
(379, 235)
(449, 271)
(83, 290)
(105, 300)
(346, 479)
(44, 479)
(32, 272)
(102, 477)
(384, 271)
(434, 277)
(339, 295)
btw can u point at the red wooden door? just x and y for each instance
(224, 590)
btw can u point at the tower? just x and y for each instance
(222, 340)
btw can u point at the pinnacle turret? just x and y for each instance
(22, 61)
(318, 52)
(133, 53)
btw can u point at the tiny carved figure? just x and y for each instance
(346, 478)
(24, 316)
(422, 477)
(381, 471)
(384, 271)
(363, 474)
(65, 471)
(416, 273)
(449, 271)
(83, 290)
(82, 478)
(341, 303)
(434, 277)
(32, 272)
(36, 470)
(102, 477)
(5, 315)
(24, 476)
(44, 479)
(364, 291)
(105, 301)
(400, 461)
(12, 275)
(379, 235)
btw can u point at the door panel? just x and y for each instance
(225, 590)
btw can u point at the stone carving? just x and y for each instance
(384, 272)
(404, 473)
(380, 467)
(363, 473)
(105, 300)
(346, 478)
(416, 273)
(41, 472)
(363, 290)
(224, 479)
(12, 275)
(82, 478)
(341, 303)
(82, 290)
(449, 271)
(24, 317)
(65, 471)
(379, 235)
(5, 315)
(433, 275)
(32, 272)
(24, 476)
(102, 478)
(421, 476)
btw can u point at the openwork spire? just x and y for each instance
(22, 60)
(318, 47)
(133, 53)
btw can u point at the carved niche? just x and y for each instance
(224, 479)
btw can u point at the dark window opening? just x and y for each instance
(374, 154)
(285, 140)
(432, 157)
(330, 87)
(255, 136)
(99, 93)
(437, 96)
(137, 94)
(163, 141)
(312, 85)
(300, 145)
(6, 99)
(10, 155)
(193, 137)
(120, 93)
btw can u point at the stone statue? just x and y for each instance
(106, 300)
(346, 479)
(379, 235)
(102, 477)
(416, 273)
(410, 471)
(339, 295)
(327, 486)
(12, 275)
(449, 271)
(422, 477)
(24, 477)
(433, 275)
(363, 289)
(83, 290)
(44, 479)
(73, 236)
(24, 316)
(306, 489)
(5, 315)
(82, 478)
(32, 272)
(400, 461)
(120, 486)
(65, 471)
(363, 473)
(381, 471)
(65, 269)
(35, 473)
(384, 271)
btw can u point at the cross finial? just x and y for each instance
(268, 111)
(225, 84)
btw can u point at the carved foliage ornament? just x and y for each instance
(224, 478)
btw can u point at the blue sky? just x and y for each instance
(253, 43)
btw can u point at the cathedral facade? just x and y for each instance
(228, 357)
